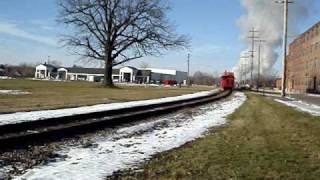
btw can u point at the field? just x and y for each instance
(53, 95)
(263, 140)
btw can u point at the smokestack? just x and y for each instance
(267, 17)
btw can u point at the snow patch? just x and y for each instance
(298, 104)
(48, 79)
(302, 106)
(266, 94)
(13, 92)
(46, 114)
(138, 85)
(313, 95)
(6, 77)
(127, 147)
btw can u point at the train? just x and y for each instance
(227, 80)
(169, 82)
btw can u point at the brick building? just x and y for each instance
(303, 62)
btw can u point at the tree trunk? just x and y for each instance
(108, 74)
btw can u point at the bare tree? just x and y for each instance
(22, 70)
(144, 67)
(202, 78)
(118, 31)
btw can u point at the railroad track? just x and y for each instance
(32, 132)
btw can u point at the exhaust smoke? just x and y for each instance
(266, 16)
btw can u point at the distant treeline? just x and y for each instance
(17, 71)
(202, 78)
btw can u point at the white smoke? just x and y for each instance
(266, 16)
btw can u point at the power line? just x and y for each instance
(260, 41)
(188, 61)
(241, 75)
(245, 67)
(252, 37)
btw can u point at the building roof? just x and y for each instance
(50, 66)
(90, 70)
(162, 71)
(299, 38)
(140, 72)
(132, 67)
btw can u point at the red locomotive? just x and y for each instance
(227, 80)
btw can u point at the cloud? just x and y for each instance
(13, 29)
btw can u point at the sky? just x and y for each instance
(29, 33)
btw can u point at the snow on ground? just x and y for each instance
(138, 85)
(13, 92)
(313, 95)
(298, 104)
(5, 77)
(58, 80)
(131, 145)
(45, 114)
(266, 94)
(302, 106)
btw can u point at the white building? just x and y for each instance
(45, 71)
(124, 74)
(159, 75)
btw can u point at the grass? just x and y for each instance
(53, 95)
(263, 140)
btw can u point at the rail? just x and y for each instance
(54, 128)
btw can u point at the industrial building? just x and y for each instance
(125, 74)
(303, 62)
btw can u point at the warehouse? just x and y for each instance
(127, 74)
(303, 62)
(158, 75)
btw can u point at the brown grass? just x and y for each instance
(53, 95)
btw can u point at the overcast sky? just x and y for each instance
(29, 33)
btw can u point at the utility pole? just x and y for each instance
(252, 37)
(284, 45)
(245, 66)
(188, 79)
(241, 73)
(259, 61)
